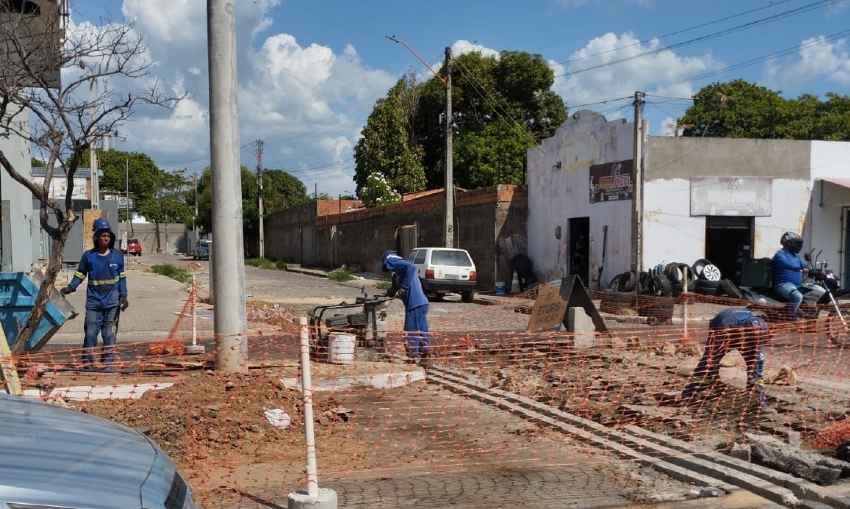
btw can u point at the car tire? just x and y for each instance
(661, 286)
(728, 288)
(467, 296)
(706, 287)
(698, 266)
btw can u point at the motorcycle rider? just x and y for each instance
(788, 271)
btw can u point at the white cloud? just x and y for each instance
(307, 101)
(818, 58)
(664, 73)
(462, 47)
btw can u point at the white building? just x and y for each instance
(717, 198)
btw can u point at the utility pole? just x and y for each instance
(127, 201)
(315, 190)
(637, 193)
(262, 249)
(228, 272)
(449, 230)
(195, 214)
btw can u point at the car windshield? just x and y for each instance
(451, 259)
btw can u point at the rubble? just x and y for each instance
(773, 453)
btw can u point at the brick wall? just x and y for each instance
(359, 237)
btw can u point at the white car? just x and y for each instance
(443, 270)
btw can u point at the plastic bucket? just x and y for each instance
(341, 348)
(500, 288)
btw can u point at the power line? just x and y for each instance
(604, 101)
(770, 5)
(713, 35)
(776, 54)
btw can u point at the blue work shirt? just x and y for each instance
(412, 296)
(736, 317)
(107, 280)
(787, 268)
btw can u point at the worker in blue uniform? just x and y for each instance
(106, 294)
(732, 329)
(408, 288)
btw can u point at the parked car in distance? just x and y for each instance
(445, 270)
(63, 458)
(134, 247)
(202, 250)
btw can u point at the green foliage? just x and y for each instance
(37, 163)
(261, 263)
(176, 273)
(497, 153)
(383, 285)
(165, 202)
(378, 191)
(739, 109)
(340, 275)
(500, 105)
(280, 191)
(280, 265)
(385, 147)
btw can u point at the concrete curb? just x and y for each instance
(619, 449)
(93, 392)
(802, 488)
(378, 381)
(662, 457)
(308, 272)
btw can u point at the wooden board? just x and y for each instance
(549, 309)
(89, 217)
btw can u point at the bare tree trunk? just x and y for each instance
(46, 289)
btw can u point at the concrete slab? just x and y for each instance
(92, 392)
(378, 381)
(580, 323)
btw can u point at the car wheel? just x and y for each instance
(467, 296)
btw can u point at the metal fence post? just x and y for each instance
(685, 303)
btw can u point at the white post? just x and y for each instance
(685, 304)
(194, 314)
(307, 391)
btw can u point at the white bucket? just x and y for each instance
(341, 348)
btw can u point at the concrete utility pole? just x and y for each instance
(637, 192)
(262, 249)
(228, 273)
(127, 201)
(195, 214)
(449, 231)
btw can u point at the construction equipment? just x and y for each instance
(363, 318)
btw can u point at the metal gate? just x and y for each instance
(407, 239)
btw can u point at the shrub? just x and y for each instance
(176, 273)
(261, 263)
(340, 275)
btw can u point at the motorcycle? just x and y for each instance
(837, 321)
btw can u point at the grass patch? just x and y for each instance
(176, 273)
(280, 265)
(261, 263)
(340, 275)
(383, 285)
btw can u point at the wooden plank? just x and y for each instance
(549, 309)
(7, 363)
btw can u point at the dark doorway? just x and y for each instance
(579, 252)
(728, 242)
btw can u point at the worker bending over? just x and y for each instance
(407, 287)
(731, 329)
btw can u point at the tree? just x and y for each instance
(739, 109)
(146, 178)
(165, 202)
(280, 191)
(378, 191)
(386, 143)
(500, 104)
(61, 124)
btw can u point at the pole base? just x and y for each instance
(195, 349)
(301, 500)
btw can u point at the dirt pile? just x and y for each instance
(209, 416)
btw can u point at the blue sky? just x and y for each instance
(311, 70)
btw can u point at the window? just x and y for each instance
(451, 258)
(420, 257)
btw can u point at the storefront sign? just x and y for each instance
(731, 196)
(611, 181)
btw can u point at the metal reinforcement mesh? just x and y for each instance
(385, 435)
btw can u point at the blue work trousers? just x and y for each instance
(416, 331)
(100, 322)
(716, 346)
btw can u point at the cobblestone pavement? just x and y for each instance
(428, 447)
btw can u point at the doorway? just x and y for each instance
(579, 248)
(728, 243)
(846, 247)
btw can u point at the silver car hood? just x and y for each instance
(53, 456)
